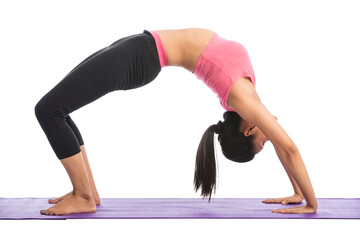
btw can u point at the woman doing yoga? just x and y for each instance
(136, 60)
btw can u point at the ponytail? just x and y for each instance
(205, 166)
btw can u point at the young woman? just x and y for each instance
(136, 60)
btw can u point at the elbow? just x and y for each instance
(291, 150)
(289, 153)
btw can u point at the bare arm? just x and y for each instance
(292, 180)
(297, 197)
(245, 101)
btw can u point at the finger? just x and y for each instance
(273, 200)
(297, 209)
(288, 201)
(282, 210)
(276, 210)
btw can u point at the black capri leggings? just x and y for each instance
(130, 62)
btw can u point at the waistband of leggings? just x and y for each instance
(159, 47)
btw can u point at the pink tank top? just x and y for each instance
(220, 65)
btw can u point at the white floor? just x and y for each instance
(182, 229)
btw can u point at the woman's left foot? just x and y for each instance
(72, 204)
(57, 200)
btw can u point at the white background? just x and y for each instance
(142, 143)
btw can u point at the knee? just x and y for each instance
(43, 110)
(39, 109)
(48, 109)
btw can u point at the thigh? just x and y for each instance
(87, 59)
(128, 63)
(84, 84)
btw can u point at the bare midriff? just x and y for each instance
(183, 47)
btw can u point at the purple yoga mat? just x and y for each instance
(120, 208)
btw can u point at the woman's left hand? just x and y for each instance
(297, 209)
(296, 198)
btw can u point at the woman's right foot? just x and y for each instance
(72, 204)
(57, 200)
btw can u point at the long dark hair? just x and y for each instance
(234, 145)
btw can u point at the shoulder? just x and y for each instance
(246, 102)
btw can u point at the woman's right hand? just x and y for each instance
(296, 198)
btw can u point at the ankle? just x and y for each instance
(84, 195)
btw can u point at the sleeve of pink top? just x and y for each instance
(160, 49)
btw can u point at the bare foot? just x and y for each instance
(70, 205)
(57, 200)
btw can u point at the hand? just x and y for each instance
(297, 209)
(296, 198)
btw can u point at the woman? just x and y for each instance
(135, 61)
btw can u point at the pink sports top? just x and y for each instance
(220, 65)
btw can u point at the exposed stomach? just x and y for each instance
(183, 47)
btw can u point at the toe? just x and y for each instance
(47, 211)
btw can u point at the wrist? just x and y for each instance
(313, 206)
(299, 194)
